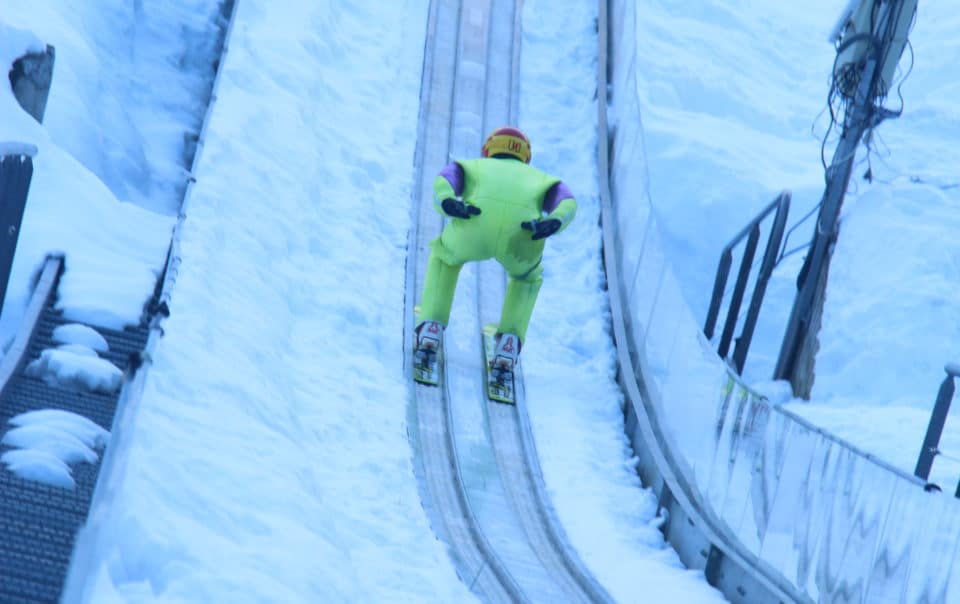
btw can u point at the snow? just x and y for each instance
(78, 349)
(139, 67)
(75, 366)
(569, 363)
(271, 460)
(114, 250)
(19, 128)
(45, 443)
(40, 466)
(17, 42)
(84, 429)
(268, 459)
(23, 149)
(84, 335)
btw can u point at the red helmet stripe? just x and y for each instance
(510, 132)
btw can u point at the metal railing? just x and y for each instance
(781, 207)
(938, 417)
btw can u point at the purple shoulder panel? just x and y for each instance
(453, 172)
(555, 195)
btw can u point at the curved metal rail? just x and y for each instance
(466, 92)
(692, 530)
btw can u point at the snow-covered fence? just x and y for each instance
(30, 79)
(771, 507)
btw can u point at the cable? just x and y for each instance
(786, 237)
(844, 83)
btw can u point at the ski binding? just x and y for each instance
(426, 354)
(499, 363)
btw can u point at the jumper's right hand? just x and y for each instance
(457, 209)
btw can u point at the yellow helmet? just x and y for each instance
(507, 141)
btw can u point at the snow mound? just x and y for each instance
(51, 439)
(40, 466)
(47, 441)
(66, 368)
(87, 431)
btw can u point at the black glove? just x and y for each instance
(458, 209)
(541, 228)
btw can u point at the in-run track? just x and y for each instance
(475, 460)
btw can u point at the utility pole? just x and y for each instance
(888, 24)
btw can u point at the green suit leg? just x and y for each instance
(438, 289)
(518, 303)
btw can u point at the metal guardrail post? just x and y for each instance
(752, 232)
(30, 78)
(746, 263)
(719, 286)
(16, 171)
(938, 417)
(760, 288)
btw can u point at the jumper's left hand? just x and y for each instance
(541, 228)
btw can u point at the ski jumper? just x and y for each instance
(508, 192)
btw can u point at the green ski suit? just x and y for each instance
(508, 192)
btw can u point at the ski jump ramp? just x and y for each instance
(770, 507)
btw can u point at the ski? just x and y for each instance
(499, 369)
(427, 348)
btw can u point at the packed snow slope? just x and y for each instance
(270, 460)
(732, 94)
